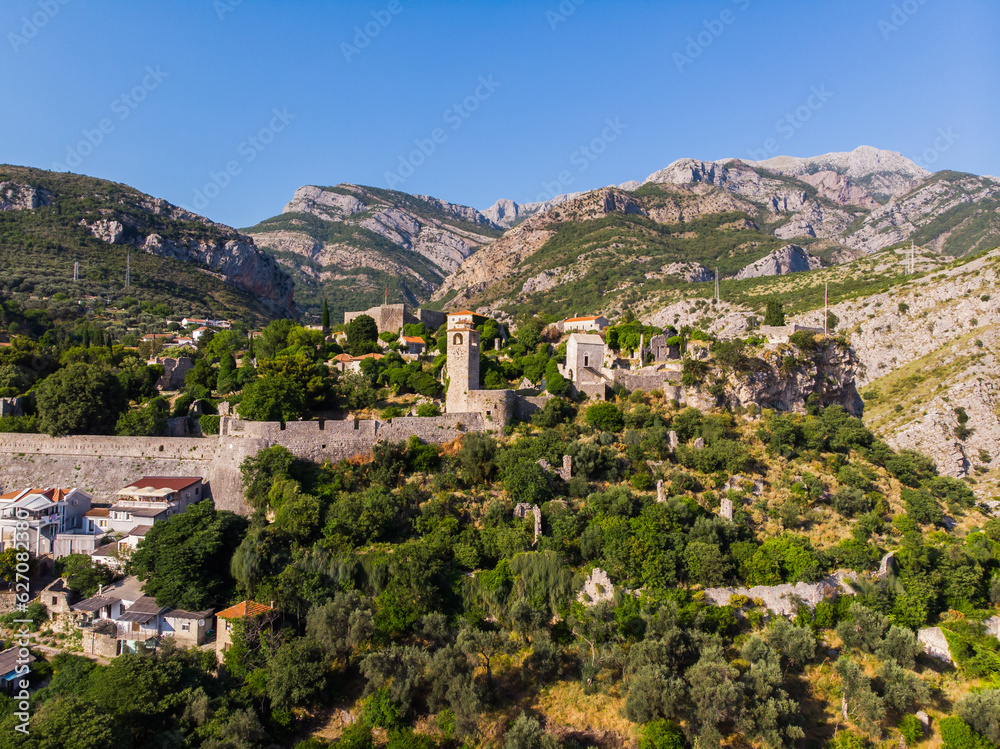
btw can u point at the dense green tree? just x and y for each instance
(362, 335)
(148, 421)
(185, 559)
(80, 399)
(83, 574)
(775, 313)
(325, 318)
(296, 674)
(272, 399)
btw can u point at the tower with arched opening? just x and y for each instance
(463, 366)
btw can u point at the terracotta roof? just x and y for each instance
(581, 319)
(244, 609)
(413, 339)
(465, 312)
(368, 356)
(53, 495)
(174, 483)
(98, 512)
(343, 357)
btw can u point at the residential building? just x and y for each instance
(198, 333)
(147, 501)
(47, 512)
(354, 365)
(415, 345)
(57, 597)
(121, 618)
(225, 619)
(186, 627)
(340, 361)
(597, 322)
(13, 669)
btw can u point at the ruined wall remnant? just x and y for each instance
(597, 588)
(522, 510)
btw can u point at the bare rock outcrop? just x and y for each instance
(789, 259)
(17, 197)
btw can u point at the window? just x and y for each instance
(586, 361)
(55, 601)
(186, 627)
(457, 340)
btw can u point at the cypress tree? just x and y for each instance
(326, 318)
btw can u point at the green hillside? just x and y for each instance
(38, 249)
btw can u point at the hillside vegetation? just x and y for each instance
(39, 246)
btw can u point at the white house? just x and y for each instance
(597, 322)
(47, 513)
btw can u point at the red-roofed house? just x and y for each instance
(414, 344)
(597, 322)
(151, 499)
(240, 612)
(47, 513)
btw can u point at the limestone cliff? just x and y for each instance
(349, 244)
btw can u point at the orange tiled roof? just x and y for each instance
(464, 312)
(413, 339)
(343, 357)
(580, 319)
(244, 609)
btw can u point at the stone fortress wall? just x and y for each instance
(103, 465)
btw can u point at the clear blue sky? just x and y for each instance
(682, 79)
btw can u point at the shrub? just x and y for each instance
(661, 734)
(428, 409)
(209, 423)
(911, 729)
(605, 416)
(391, 412)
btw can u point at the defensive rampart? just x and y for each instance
(103, 465)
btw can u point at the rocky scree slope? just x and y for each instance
(49, 220)
(348, 243)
